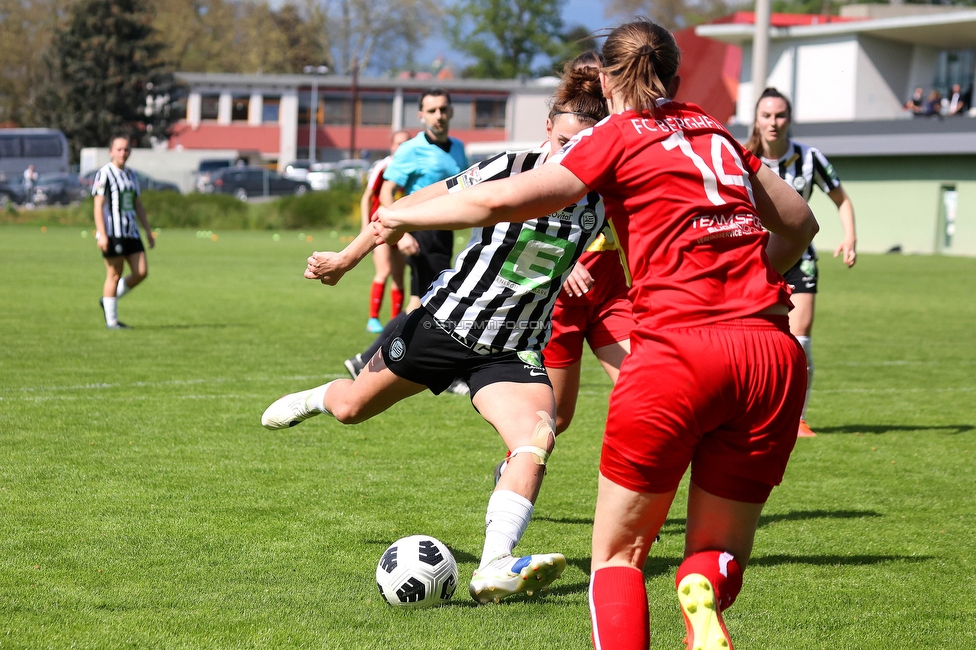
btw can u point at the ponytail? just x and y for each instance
(642, 60)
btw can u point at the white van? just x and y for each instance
(46, 149)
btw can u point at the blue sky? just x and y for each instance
(588, 13)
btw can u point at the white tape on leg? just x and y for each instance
(543, 440)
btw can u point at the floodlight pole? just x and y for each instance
(315, 71)
(355, 98)
(760, 49)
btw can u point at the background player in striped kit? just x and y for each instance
(387, 261)
(486, 321)
(118, 213)
(802, 167)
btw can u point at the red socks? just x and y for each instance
(396, 302)
(376, 299)
(618, 609)
(720, 568)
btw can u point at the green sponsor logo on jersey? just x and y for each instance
(128, 201)
(531, 358)
(536, 260)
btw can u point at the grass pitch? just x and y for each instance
(142, 504)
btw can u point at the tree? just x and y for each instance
(573, 42)
(504, 37)
(25, 33)
(227, 36)
(675, 14)
(106, 74)
(379, 33)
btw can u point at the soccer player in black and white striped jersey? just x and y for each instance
(484, 321)
(802, 167)
(118, 213)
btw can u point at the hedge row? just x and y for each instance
(337, 208)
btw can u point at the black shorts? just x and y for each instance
(123, 247)
(804, 275)
(436, 248)
(419, 350)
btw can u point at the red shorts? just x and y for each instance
(603, 316)
(725, 398)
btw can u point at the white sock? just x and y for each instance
(121, 289)
(507, 517)
(111, 315)
(317, 401)
(808, 350)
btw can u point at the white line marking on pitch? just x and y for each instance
(170, 382)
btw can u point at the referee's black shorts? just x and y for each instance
(419, 350)
(436, 249)
(123, 247)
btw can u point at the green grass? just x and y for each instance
(142, 504)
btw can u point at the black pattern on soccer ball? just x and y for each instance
(389, 559)
(411, 591)
(429, 553)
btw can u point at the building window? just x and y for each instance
(42, 146)
(489, 114)
(954, 67)
(376, 111)
(269, 110)
(238, 107)
(463, 114)
(336, 110)
(209, 107)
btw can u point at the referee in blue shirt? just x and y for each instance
(428, 158)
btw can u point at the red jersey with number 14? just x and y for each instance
(677, 191)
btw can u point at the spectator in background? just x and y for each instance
(958, 103)
(917, 102)
(933, 105)
(30, 179)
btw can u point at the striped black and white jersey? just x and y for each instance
(120, 187)
(504, 284)
(803, 167)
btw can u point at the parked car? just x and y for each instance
(11, 193)
(203, 177)
(58, 188)
(354, 168)
(321, 176)
(248, 182)
(149, 183)
(297, 170)
(145, 182)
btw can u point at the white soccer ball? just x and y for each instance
(417, 571)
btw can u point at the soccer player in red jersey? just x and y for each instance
(715, 379)
(388, 262)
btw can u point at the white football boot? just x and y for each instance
(507, 575)
(289, 411)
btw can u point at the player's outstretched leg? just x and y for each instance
(375, 389)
